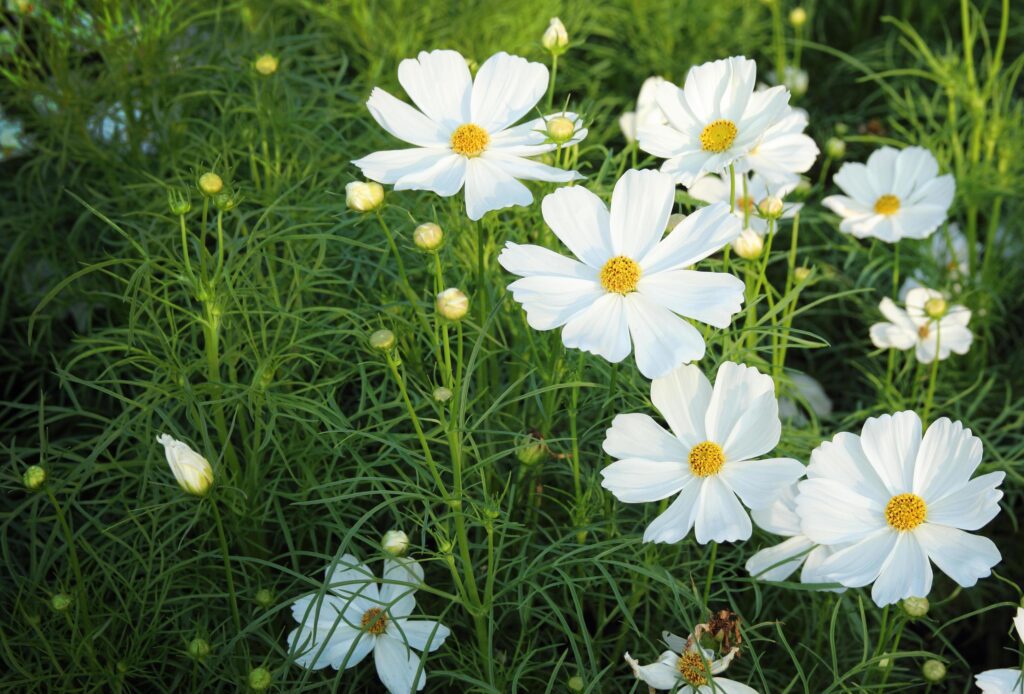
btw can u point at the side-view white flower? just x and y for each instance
(647, 110)
(191, 470)
(715, 119)
(898, 194)
(631, 288)
(340, 625)
(1008, 680)
(751, 190)
(929, 325)
(900, 502)
(709, 458)
(688, 666)
(464, 132)
(783, 152)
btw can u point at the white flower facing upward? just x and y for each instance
(897, 195)
(464, 132)
(900, 502)
(718, 188)
(341, 625)
(929, 325)
(709, 458)
(191, 470)
(631, 287)
(647, 110)
(688, 666)
(1008, 680)
(715, 119)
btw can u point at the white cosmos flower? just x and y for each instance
(708, 459)
(783, 152)
(898, 194)
(929, 325)
(191, 470)
(899, 500)
(341, 625)
(631, 287)
(718, 188)
(687, 666)
(809, 391)
(464, 132)
(647, 110)
(1004, 680)
(777, 563)
(715, 119)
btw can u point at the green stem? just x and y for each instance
(551, 84)
(711, 573)
(223, 541)
(581, 535)
(184, 248)
(933, 377)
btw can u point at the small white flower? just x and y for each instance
(647, 110)
(811, 392)
(631, 288)
(751, 190)
(555, 38)
(351, 617)
(929, 325)
(191, 470)
(689, 667)
(715, 119)
(899, 502)
(1004, 680)
(708, 460)
(898, 194)
(463, 131)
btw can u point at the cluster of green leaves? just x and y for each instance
(255, 349)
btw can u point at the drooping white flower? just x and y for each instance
(708, 461)
(631, 287)
(647, 110)
(777, 563)
(1004, 680)
(900, 502)
(898, 194)
(464, 132)
(783, 152)
(929, 325)
(811, 392)
(718, 188)
(191, 470)
(715, 119)
(688, 666)
(351, 617)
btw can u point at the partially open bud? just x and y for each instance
(531, 449)
(428, 237)
(382, 339)
(179, 202)
(266, 64)
(770, 207)
(395, 542)
(210, 184)
(60, 602)
(555, 38)
(935, 307)
(561, 129)
(364, 196)
(452, 304)
(915, 607)
(797, 17)
(835, 147)
(933, 671)
(264, 598)
(33, 477)
(260, 679)
(749, 244)
(191, 470)
(198, 648)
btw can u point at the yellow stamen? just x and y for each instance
(906, 511)
(887, 205)
(470, 140)
(691, 667)
(718, 136)
(620, 275)
(706, 459)
(374, 621)
(923, 331)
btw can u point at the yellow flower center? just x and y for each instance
(706, 459)
(906, 511)
(620, 275)
(691, 667)
(718, 136)
(887, 204)
(936, 307)
(470, 140)
(374, 621)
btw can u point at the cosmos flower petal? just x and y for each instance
(832, 513)
(676, 521)
(914, 166)
(397, 666)
(662, 340)
(853, 178)
(861, 562)
(881, 166)
(636, 480)
(402, 576)
(581, 221)
(600, 329)
(490, 188)
(720, 516)
(641, 204)
(1000, 681)
(846, 206)
(905, 574)
(439, 83)
(702, 233)
(528, 169)
(348, 576)
(444, 177)
(663, 141)
(505, 89)
(342, 649)
(404, 122)
(756, 432)
(963, 557)
(709, 297)
(388, 166)
(779, 517)
(661, 674)
(737, 387)
(891, 336)
(777, 563)
(728, 687)
(758, 483)
(780, 157)
(842, 459)
(639, 436)
(890, 444)
(971, 506)
(424, 635)
(527, 260)
(948, 456)
(682, 398)
(551, 301)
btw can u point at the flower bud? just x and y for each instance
(560, 129)
(266, 64)
(60, 602)
(555, 38)
(364, 196)
(770, 207)
(260, 679)
(33, 477)
(452, 304)
(933, 670)
(395, 542)
(797, 17)
(576, 683)
(842, 129)
(210, 184)
(835, 147)
(749, 244)
(442, 394)
(531, 449)
(803, 189)
(179, 202)
(382, 339)
(225, 201)
(935, 307)
(915, 607)
(428, 236)
(264, 598)
(191, 470)
(198, 648)
(801, 273)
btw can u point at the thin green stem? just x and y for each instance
(225, 555)
(711, 572)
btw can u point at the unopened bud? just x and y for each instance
(576, 683)
(191, 470)
(801, 273)
(561, 129)
(915, 607)
(842, 129)
(264, 598)
(382, 339)
(60, 602)
(364, 196)
(803, 189)
(770, 207)
(531, 449)
(452, 304)
(395, 542)
(442, 394)
(555, 38)
(225, 201)
(749, 244)
(835, 147)
(428, 236)
(198, 648)
(798, 17)
(266, 64)
(260, 679)
(33, 477)
(210, 183)
(933, 671)
(935, 307)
